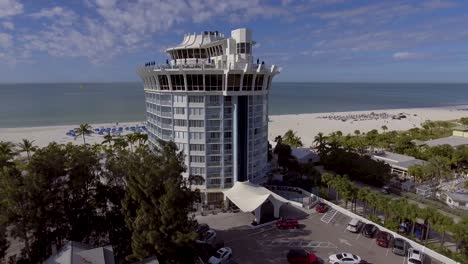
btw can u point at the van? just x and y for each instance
(354, 225)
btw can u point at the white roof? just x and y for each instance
(248, 196)
(77, 253)
(453, 141)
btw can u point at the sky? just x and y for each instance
(311, 40)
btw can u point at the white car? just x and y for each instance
(354, 225)
(222, 256)
(344, 258)
(415, 256)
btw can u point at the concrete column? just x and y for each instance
(276, 207)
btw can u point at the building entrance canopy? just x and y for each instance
(249, 197)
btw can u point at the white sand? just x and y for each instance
(306, 125)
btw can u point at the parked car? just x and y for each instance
(415, 256)
(383, 239)
(201, 229)
(208, 237)
(369, 230)
(287, 223)
(354, 225)
(222, 256)
(344, 258)
(400, 246)
(322, 207)
(300, 256)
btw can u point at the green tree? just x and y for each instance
(157, 205)
(27, 146)
(4, 244)
(363, 196)
(438, 167)
(384, 128)
(290, 138)
(7, 153)
(108, 139)
(417, 171)
(83, 131)
(320, 142)
(327, 178)
(443, 224)
(464, 121)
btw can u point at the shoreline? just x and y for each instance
(306, 125)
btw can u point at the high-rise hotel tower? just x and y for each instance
(211, 99)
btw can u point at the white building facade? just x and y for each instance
(211, 99)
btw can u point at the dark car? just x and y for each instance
(321, 207)
(287, 223)
(400, 247)
(369, 230)
(383, 239)
(300, 256)
(202, 228)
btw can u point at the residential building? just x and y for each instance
(211, 99)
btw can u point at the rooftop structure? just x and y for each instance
(453, 141)
(399, 163)
(211, 99)
(78, 253)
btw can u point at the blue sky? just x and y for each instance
(312, 40)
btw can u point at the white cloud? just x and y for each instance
(404, 55)
(10, 8)
(8, 25)
(6, 40)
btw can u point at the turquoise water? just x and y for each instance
(23, 105)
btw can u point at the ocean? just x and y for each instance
(25, 105)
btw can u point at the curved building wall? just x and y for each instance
(198, 112)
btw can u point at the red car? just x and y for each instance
(287, 223)
(300, 256)
(321, 207)
(383, 239)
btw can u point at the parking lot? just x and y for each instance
(320, 234)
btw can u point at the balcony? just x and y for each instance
(213, 140)
(213, 116)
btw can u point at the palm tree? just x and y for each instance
(27, 146)
(363, 195)
(320, 142)
(413, 213)
(442, 225)
(327, 178)
(438, 167)
(132, 139)
(120, 143)
(384, 128)
(290, 138)
(141, 138)
(84, 130)
(108, 139)
(7, 152)
(357, 132)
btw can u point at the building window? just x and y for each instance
(197, 135)
(179, 110)
(196, 123)
(227, 135)
(247, 82)
(196, 99)
(177, 82)
(194, 82)
(179, 98)
(197, 171)
(214, 82)
(163, 82)
(259, 83)
(243, 48)
(233, 82)
(180, 122)
(180, 134)
(197, 147)
(199, 159)
(196, 111)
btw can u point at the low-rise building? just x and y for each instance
(78, 253)
(305, 155)
(456, 200)
(459, 137)
(398, 162)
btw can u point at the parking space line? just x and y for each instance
(388, 249)
(357, 237)
(261, 231)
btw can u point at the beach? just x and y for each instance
(307, 126)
